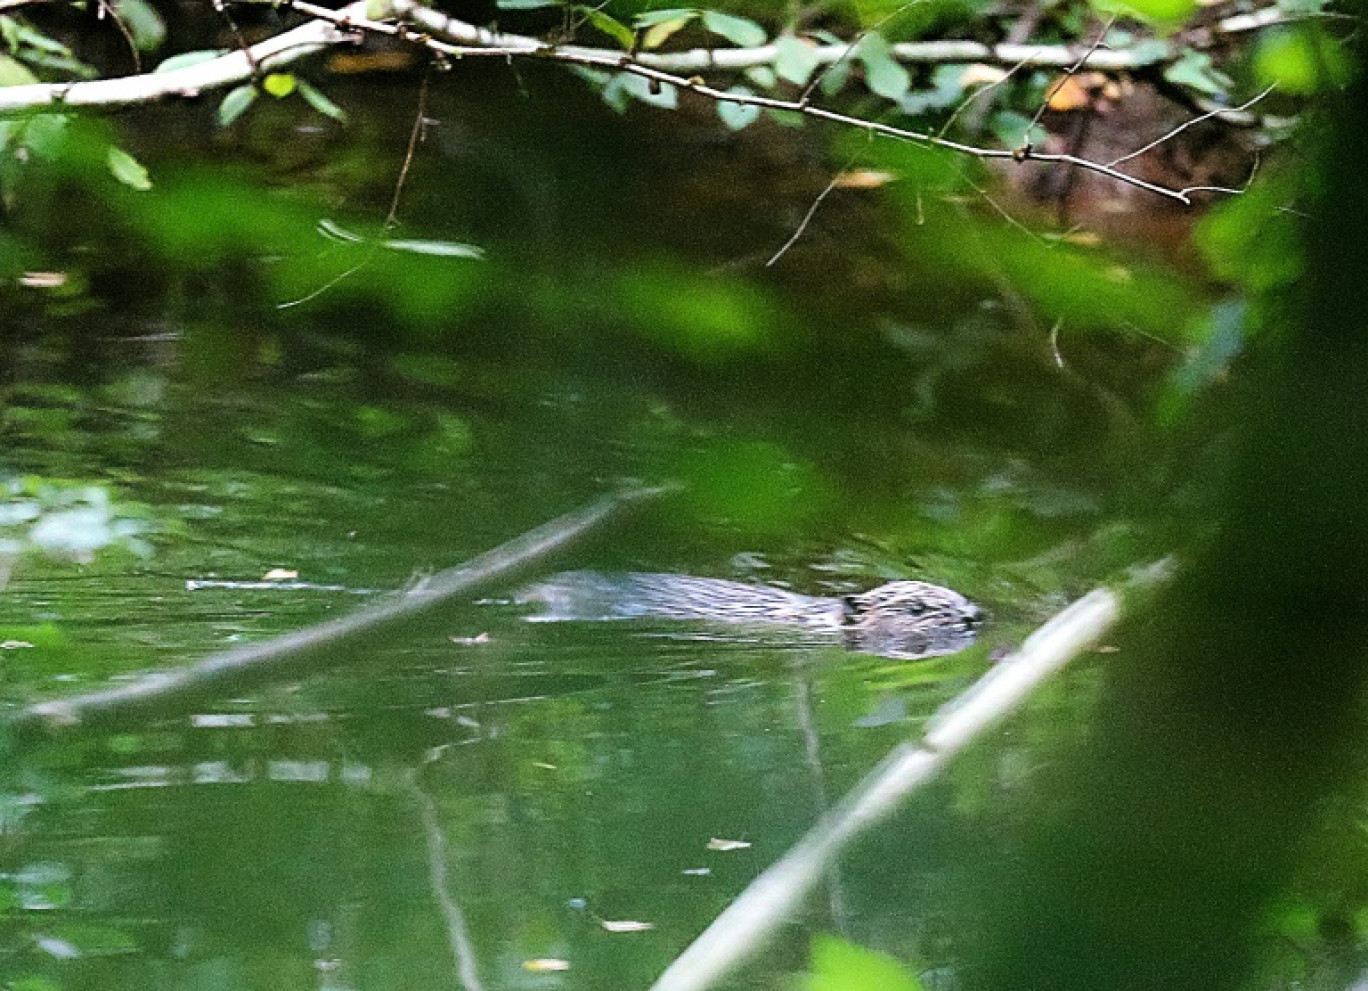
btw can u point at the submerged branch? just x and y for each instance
(315, 648)
(766, 903)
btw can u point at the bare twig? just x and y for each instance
(1189, 123)
(311, 650)
(749, 921)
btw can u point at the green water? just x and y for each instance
(855, 417)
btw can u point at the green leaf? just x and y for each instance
(143, 23)
(740, 31)
(883, 75)
(127, 169)
(658, 33)
(651, 18)
(1195, 71)
(321, 103)
(186, 59)
(841, 966)
(1014, 129)
(762, 76)
(279, 84)
(13, 73)
(795, 59)
(378, 10)
(609, 25)
(835, 76)
(738, 115)
(235, 104)
(625, 87)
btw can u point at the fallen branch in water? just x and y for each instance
(749, 921)
(314, 649)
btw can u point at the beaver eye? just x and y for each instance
(850, 607)
(916, 607)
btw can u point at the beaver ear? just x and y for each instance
(851, 608)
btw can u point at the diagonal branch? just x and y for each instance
(768, 901)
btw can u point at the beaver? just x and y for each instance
(906, 620)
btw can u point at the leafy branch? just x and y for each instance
(659, 75)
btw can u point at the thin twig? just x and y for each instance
(811, 212)
(1190, 123)
(419, 123)
(766, 903)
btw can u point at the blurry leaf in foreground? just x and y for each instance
(841, 966)
(708, 319)
(127, 169)
(1169, 12)
(752, 486)
(1300, 60)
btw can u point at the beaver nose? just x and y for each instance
(973, 616)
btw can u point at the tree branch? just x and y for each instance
(314, 649)
(749, 921)
(332, 27)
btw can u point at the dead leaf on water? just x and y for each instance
(625, 925)
(545, 965)
(726, 846)
(280, 575)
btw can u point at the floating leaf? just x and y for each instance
(280, 575)
(741, 31)
(738, 115)
(187, 59)
(883, 75)
(440, 249)
(279, 84)
(235, 103)
(609, 25)
(127, 169)
(626, 926)
(795, 59)
(727, 846)
(545, 965)
(315, 98)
